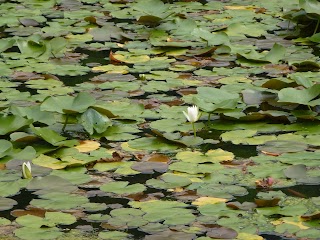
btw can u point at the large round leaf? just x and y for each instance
(121, 187)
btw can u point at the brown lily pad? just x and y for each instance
(150, 167)
(222, 233)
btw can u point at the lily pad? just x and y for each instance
(29, 233)
(123, 187)
(12, 123)
(7, 203)
(217, 155)
(169, 180)
(114, 235)
(59, 201)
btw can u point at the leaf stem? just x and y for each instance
(65, 123)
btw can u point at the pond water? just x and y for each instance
(93, 94)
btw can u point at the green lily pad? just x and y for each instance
(44, 185)
(93, 121)
(7, 203)
(51, 219)
(308, 233)
(280, 147)
(307, 158)
(153, 228)
(5, 148)
(73, 175)
(169, 180)
(114, 235)
(94, 207)
(59, 201)
(68, 104)
(193, 168)
(98, 217)
(53, 137)
(296, 171)
(123, 187)
(304, 96)
(285, 211)
(127, 217)
(152, 143)
(12, 123)
(12, 188)
(4, 221)
(30, 233)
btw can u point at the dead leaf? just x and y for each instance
(39, 212)
(267, 203)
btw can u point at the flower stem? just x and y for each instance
(194, 130)
(65, 122)
(316, 29)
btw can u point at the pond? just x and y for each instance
(152, 119)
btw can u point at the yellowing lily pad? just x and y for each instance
(208, 200)
(111, 69)
(53, 163)
(88, 146)
(248, 236)
(217, 155)
(128, 58)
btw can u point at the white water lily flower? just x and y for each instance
(193, 114)
(26, 170)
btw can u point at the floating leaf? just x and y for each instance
(59, 201)
(222, 232)
(44, 185)
(279, 147)
(30, 233)
(150, 167)
(208, 200)
(88, 146)
(7, 203)
(53, 137)
(53, 163)
(123, 187)
(217, 155)
(73, 175)
(114, 235)
(296, 171)
(303, 96)
(169, 180)
(68, 104)
(212, 39)
(12, 123)
(93, 121)
(151, 143)
(11, 188)
(51, 219)
(5, 147)
(154, 8)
